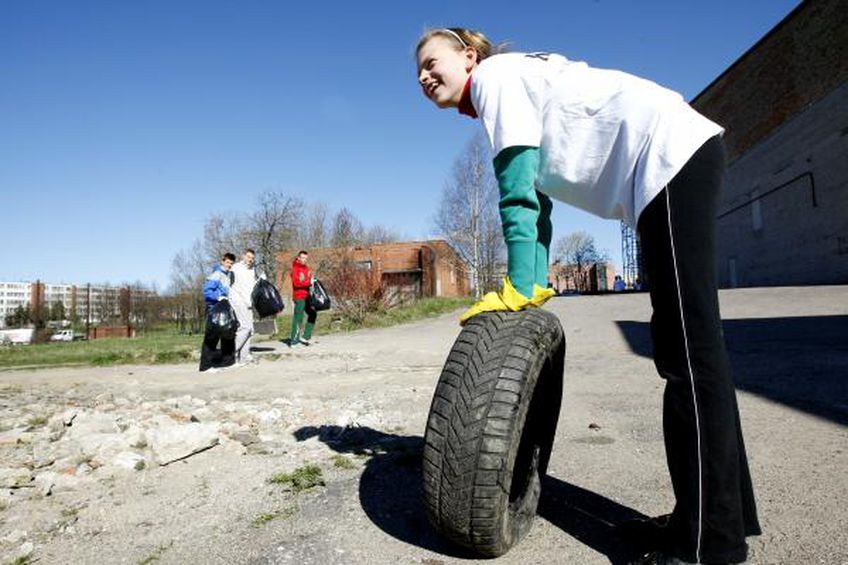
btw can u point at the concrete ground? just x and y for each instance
(789, 351)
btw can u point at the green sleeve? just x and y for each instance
(515, 170)
(544, 230)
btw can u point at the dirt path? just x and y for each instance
(364, 397)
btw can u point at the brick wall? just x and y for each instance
(783, 217)
(432, 267)
(799, 62)
(102, 332)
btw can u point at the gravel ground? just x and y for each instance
(355, 405)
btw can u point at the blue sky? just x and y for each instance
(123, 125)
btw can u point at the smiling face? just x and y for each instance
(443, 69)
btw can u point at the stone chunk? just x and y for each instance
(172, 443)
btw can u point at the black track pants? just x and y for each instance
(715, 506)
(209, 354)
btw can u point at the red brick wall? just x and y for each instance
(102, 332)
(437, 262)
(800, 61)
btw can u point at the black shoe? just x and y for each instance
(648, 533)
(659, 558)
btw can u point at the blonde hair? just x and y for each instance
(462, 38)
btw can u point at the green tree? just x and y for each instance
(19, 317)
(57, 311)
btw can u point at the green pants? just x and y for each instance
(297, 319)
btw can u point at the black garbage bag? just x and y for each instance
(266, 299)
(318, 297)
(221, 319)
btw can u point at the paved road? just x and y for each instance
(789, 350)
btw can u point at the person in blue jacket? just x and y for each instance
(619, 147)
(215, 289)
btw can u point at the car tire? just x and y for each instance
(491, 428)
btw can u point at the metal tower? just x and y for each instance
(631, 256)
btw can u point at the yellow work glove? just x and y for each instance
(505, 300)
(541, 295)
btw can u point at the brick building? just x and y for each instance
(410, 269)
(783, 219)
(595, 277)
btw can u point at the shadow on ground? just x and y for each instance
(390, 494)
(799, 362)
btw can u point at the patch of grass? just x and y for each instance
(175, 356)
(301, 479)
(331, 321)
(37, 422)
(145, 350)
(69, 516)
(157, 553)
(165, 345)
(424, 308)
(22, 560)
(263, 519)
(343, 462)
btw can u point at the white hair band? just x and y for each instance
(456, 35)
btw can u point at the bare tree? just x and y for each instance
(347, 229)
(468, 214)
(578, 251)
(380, 234)
(314, 232)
(141, 306)
(189, 269)
(224, 234)
(106, 304)
(273, 227)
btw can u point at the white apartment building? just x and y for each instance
(74, 298)
(12, 295)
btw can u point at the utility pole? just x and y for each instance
(88, 312)
(36, 304)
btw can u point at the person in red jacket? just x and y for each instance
(301, 279)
